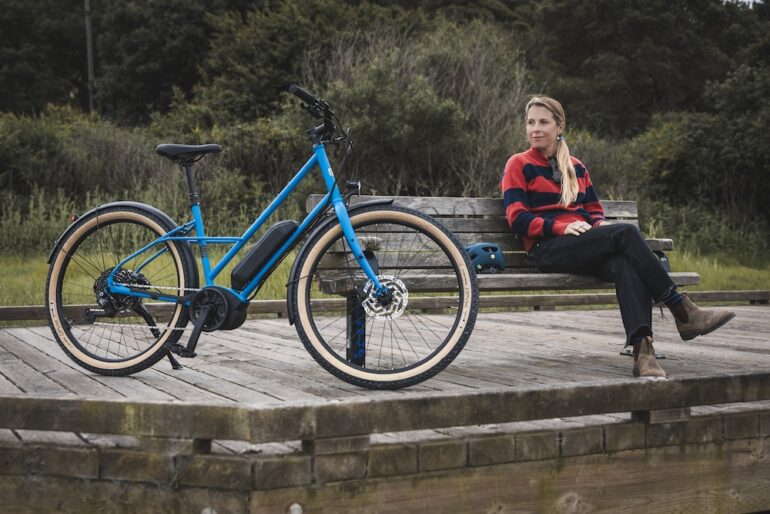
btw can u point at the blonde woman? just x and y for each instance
(551, 203)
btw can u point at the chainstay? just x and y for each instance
(171, 288)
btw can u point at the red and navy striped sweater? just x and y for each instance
(531, 198)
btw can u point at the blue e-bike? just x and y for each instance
(382, 296)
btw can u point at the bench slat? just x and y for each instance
(505, 241)
(515, 262)
(502, 282)
(460, 206)
(492, 225)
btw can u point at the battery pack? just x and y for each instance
(261, 252)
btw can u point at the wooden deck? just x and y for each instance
(539, 413)
(264, 363)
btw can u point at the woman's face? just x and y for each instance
(542, 129)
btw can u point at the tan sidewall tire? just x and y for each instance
(56, 268)
(355, 372)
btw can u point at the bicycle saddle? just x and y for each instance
(186, 153)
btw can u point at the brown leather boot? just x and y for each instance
(645, 364)
(692, 321)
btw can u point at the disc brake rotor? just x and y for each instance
(395, 307)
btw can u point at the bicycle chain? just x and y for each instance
(172, 288)
(182, 329)
(138, 286)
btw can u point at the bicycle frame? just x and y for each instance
(333, 197)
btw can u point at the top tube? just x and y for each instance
(334, 197)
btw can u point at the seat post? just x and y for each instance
(194, 198)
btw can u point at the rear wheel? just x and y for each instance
(392, 342)
(109, 333)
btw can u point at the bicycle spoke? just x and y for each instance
(118, 333)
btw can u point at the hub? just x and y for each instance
(114, 303)
(393, 305)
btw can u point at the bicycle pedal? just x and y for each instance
(182, 351)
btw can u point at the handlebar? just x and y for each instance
(303, 95)
(324, 133)
(318, 109)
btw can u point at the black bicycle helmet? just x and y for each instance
(486, 257)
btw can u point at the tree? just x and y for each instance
(144, 49)
(42, 54)
(614, 64)
(715, 160)
(254, 57)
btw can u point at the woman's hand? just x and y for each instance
(576, 228)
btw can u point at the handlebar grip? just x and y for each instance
(303, 94)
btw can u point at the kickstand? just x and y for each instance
(174, 363)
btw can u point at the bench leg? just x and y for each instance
(355, 351)
(664, 261)
(628, 351)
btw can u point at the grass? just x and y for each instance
(723, 272)
(23, 277)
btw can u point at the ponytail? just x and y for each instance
(569, 185)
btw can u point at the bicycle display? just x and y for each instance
(382, 296)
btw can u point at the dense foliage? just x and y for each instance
(667, 102)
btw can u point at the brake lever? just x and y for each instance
(312, 110)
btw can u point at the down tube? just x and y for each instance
(265, 215)
(309, 219)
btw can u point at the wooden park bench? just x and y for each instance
(476, 220)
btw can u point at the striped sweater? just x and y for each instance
(531, 198)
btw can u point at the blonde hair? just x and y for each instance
(569, 185)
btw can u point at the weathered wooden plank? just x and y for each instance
(505, 240)
(550, 352)
(50, 437)
(283, 354)
(688, 358)
(571, 334)
(40, 338)
(204, 379)
(498, 225)
(316, 420)
(462, 206)
(31, 380)
(294, 363)
(250, 387)
(498, 282)
(550, 347)
(6, 386)
(73, 380)
(731, 477)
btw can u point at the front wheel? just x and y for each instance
(409, 335)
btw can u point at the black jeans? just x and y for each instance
(615, 253)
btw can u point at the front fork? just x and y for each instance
(341, 211)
